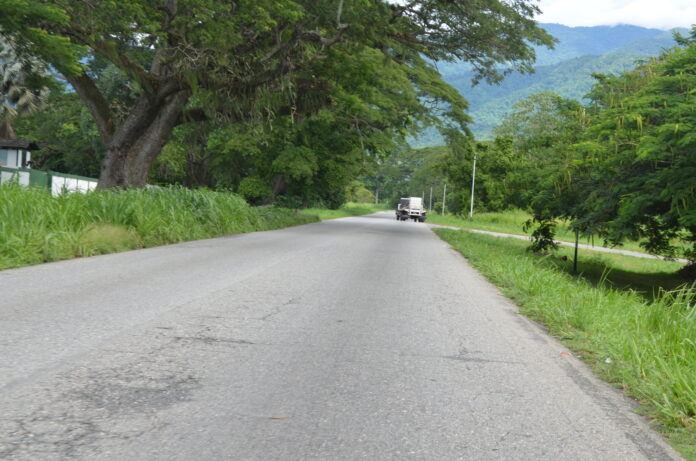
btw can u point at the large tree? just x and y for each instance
(623, 167)
(313, 153)
(640, 153)
(192, 59)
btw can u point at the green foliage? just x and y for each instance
(344, 211)
(36, 227)
(500, 181)
(313, 158)
(648, 341)
(20, 22)
(626, 166)
(65, 130)
(620, 169)
(358, 193)
(645, 122)
(254, 190)
(512, 221)
(542, 235)
(407, 173)
(361, 69)
(538, 134)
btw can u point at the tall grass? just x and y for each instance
(36, 227)
(645, 345)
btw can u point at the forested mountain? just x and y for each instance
(567, 70)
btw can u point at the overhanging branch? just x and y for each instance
(95, 102)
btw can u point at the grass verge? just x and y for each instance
(36, 227)
(349, 209)
(511, 222)
(645, 345)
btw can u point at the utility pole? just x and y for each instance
(473, 181)
(575, 256)
(377, 196)
(430, 208)
(444, 196)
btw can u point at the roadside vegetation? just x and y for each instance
(616, 167)
(633, 320)
(348, 209)
(512, 222)
(36, 227)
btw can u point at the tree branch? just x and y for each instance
(314, 36)
(95, 102)
(110, 51)
(138, 74)
(156, 135)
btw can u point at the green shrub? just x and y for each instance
(254, 190)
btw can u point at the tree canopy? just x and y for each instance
(189, 60)
(640, 152)
(624, 166)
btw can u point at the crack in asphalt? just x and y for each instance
(213, 340)
(478, 360)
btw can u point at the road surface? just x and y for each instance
(357, 338)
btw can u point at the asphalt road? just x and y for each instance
(358, 338)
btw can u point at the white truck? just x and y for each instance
(410, 208)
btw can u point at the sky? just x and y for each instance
(662, 14)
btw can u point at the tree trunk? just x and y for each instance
(280, 185)
(136, 143)
(6, 131)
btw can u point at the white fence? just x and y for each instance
(57, 183)
(22, 177)
(63, 184)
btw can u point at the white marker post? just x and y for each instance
(473, 181)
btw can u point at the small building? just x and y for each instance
(16, 153)
(15, 165)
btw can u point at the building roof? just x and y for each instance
(18, 144)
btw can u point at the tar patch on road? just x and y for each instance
(91, 407)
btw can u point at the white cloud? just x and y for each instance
(664, 14)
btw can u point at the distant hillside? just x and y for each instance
(580, 41)
(567, 70)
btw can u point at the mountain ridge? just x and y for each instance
(566, 70)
